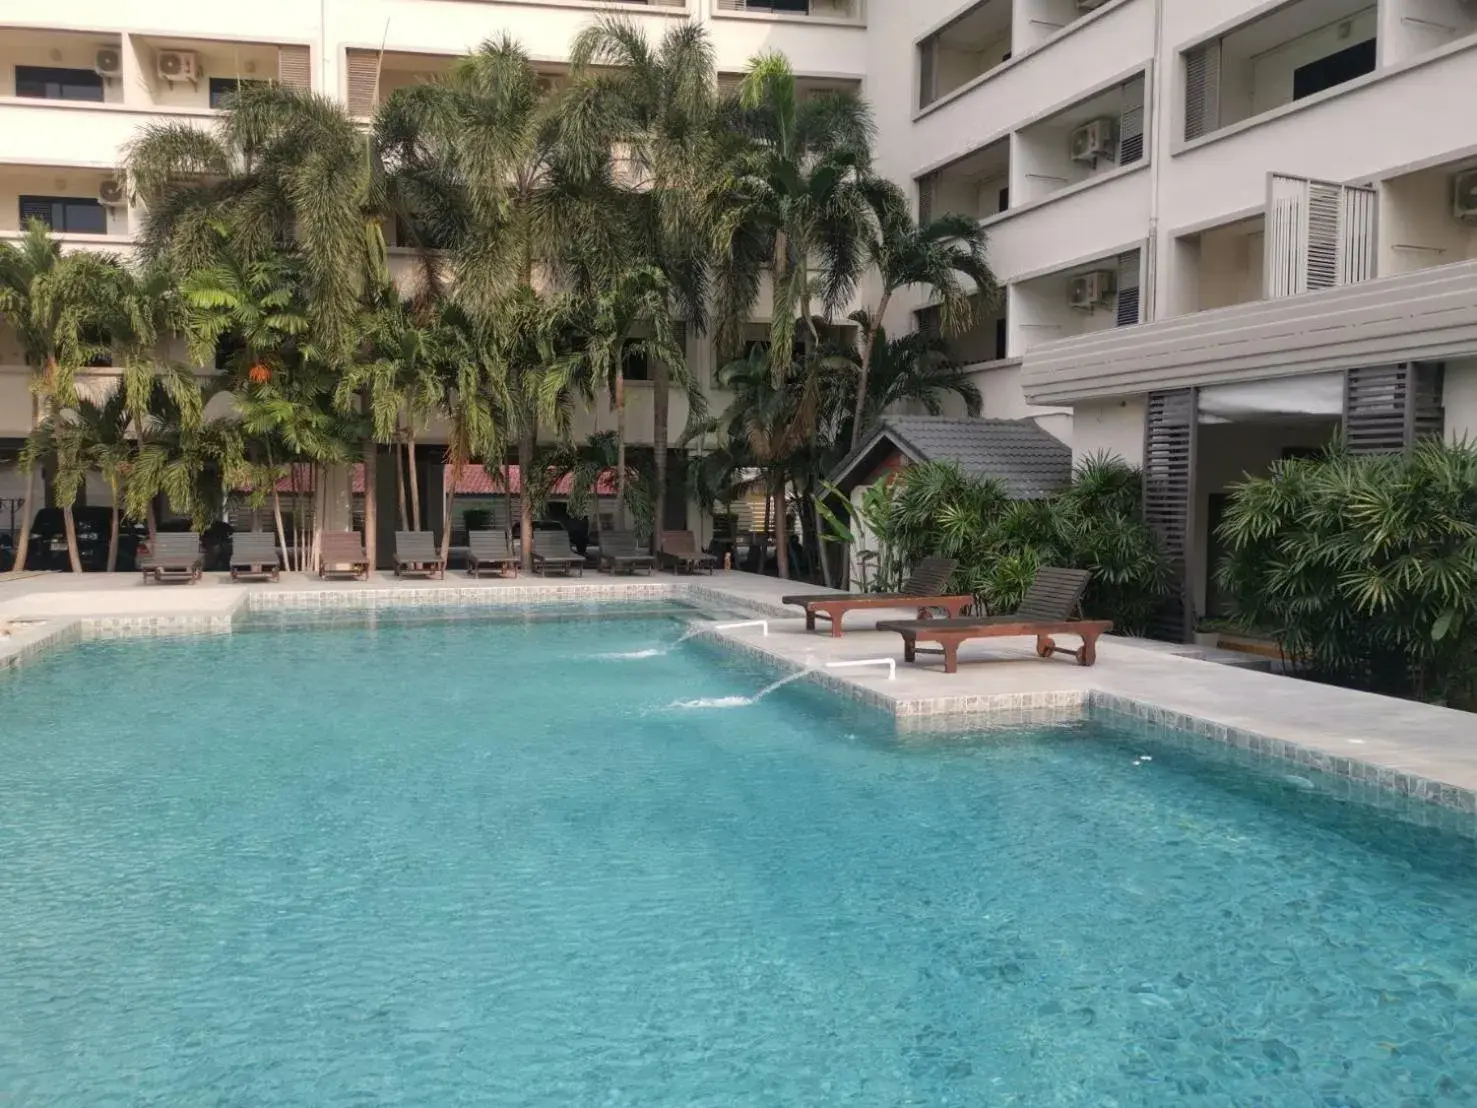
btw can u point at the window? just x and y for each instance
(75, 214)
(635, 364)
(48, 83)
(801, 6)
(1325, 73)
(1000, 340)
(221, 88)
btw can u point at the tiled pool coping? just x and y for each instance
(1066, 696)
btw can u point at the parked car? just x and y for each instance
(48, 549)
(7, 552)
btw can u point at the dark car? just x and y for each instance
(48, 549)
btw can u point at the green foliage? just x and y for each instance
(1364, 567)
(1094, 524)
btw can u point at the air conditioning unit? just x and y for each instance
(178, 65)
(1098, 139)
(1464, 196)
(111, 193)
(108, 62)
(1092, 290)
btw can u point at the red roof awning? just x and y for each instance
(475, 481)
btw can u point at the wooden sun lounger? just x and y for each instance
(490, 550)
(416, 555)
(254, 555)
(551, 551)
(619, 550)
(1046, 611)
(678, 551)
(924, 591)
(343, 555)
(174, 556)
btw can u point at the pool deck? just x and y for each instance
(1414, 749)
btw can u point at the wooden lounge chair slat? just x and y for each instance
(416, 554)
(551, 550)
(1046, 610)
(490, 550)
(924, 591)
(679, 552)
(254, 554)
(174, 556)
(340, 549)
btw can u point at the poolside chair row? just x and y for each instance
(254, 556)
(1052, 606)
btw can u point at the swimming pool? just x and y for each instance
(491, 861)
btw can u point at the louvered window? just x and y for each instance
(1202, 90)
(293, 69)
(1389, 407)
(1170, 457)
(362, 68)
(927, 66)
(1319, 235)
(1130, 135)
(75, 214)
(1128, 289)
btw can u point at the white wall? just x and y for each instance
(1114, 427)
(1417, 228)
(1460, 396)
(1413, 27)
(1229, 269)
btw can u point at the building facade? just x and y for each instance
(1225, 229)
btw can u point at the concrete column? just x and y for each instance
(338, 497)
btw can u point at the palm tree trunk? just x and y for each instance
(415, 484)
(69, 525)
(456, 478)
(371, 494)
(779, 308)
(281, 530)
(781, 531)
(868, 341)
(399, 453)
(113, 537)
(23, 542)
(527, 443)
(660, 401)
(620, 453)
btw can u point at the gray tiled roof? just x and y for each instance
(1031, 462)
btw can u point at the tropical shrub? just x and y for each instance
(1094, 524)
(1363, 567)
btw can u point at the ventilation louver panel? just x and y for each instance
(293, 69)
(1170, 444)
(1128, 289)
(1202, 90)
(1388, 407)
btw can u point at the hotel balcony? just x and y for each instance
(1428, 218)
(83, 206)
(66, 95)
(1083, 299)
(829, 11)
(1097, 136)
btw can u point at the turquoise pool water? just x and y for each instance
(487, 862)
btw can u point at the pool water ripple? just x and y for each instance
(428, 863)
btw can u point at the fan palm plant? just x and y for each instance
(945, 256)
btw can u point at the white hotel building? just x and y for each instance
(1225, 228)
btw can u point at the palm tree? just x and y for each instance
(105, 447)
(520, 213)
(638, 300)
(281, 170)
(20, 267)
(915, 367)
(797, 197)
(657, 105)
(396, 383)
(767, 426)
(940, 256)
